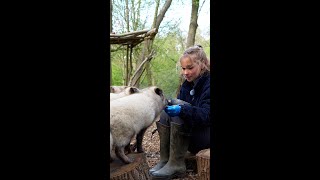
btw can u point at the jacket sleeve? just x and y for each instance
(198, 115)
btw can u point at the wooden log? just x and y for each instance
(203, 164)
(138, 169)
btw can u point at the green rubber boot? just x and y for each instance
(164, 134)
(176, 167)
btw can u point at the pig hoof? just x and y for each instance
(140, 151)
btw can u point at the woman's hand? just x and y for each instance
(173, 110)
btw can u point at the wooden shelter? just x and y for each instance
(130, 40)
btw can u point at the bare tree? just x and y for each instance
(110, 44)
(193, 23)
(135, 80)
(191, 33)
(127, 16)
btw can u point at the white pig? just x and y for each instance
(131, 115)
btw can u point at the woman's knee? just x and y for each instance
(164, 118)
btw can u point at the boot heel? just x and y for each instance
(160, 178)
(178, 175)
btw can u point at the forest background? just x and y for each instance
(169, 43)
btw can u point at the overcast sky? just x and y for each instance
(179, 10)
(184, 13)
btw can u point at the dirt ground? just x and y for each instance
(151, 145)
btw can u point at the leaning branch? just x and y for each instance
(150, 56)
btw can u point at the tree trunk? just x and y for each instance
(149, 74)
(127, 67)
(155, 14)
(110, 44)
(193, 23)
(162, 13)
(135, 11)
(191, 33)
(127, 16)
(138, 169)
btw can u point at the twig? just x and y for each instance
(154, 131)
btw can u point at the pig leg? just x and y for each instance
(139, 139)
(127, 149)
(130, 148)
(120, 154)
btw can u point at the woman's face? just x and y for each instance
(190, 69)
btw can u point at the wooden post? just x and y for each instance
(203, 164)
(138, 169)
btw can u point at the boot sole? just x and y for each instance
(173, 176)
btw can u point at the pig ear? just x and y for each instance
(158, 91)
(133, 90)
(111, 89)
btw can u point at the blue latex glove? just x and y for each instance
(173, 110)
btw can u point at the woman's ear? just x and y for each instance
(202, 66)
